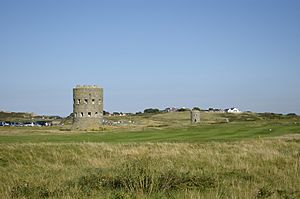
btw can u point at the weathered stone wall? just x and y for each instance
(87, 107)
(195, 116)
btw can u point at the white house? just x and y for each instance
(232, 110)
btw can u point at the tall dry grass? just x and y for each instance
(263, 168)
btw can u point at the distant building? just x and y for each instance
(195, 116)
(232, 110)
(216, 110)
(170, 109)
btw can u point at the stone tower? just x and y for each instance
(87, 107)
(195, 116)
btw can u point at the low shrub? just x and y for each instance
(139, 176)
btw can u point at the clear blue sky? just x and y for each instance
(158, 53)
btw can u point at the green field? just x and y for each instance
(201, 133)
(158, 156)
(168, 127)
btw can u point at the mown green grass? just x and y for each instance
(200, 133)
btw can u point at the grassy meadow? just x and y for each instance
(158, 156)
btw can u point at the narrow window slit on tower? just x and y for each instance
(99, 101)
(78, 101)
(85, 101)
(89, 114)
(93, 101)
(96, 114)
(81, 114)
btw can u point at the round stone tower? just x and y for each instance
(195, 116)
(87, 107)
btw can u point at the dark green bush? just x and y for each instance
(151, 110)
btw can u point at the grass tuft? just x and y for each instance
(141, 175)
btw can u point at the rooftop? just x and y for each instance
(87, 86)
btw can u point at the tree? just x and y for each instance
(182, 109)
(292, 114)
(151, 110)
(197, 108)
(105, 112)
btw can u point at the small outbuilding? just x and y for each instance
(232, 110)
(195, 116)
